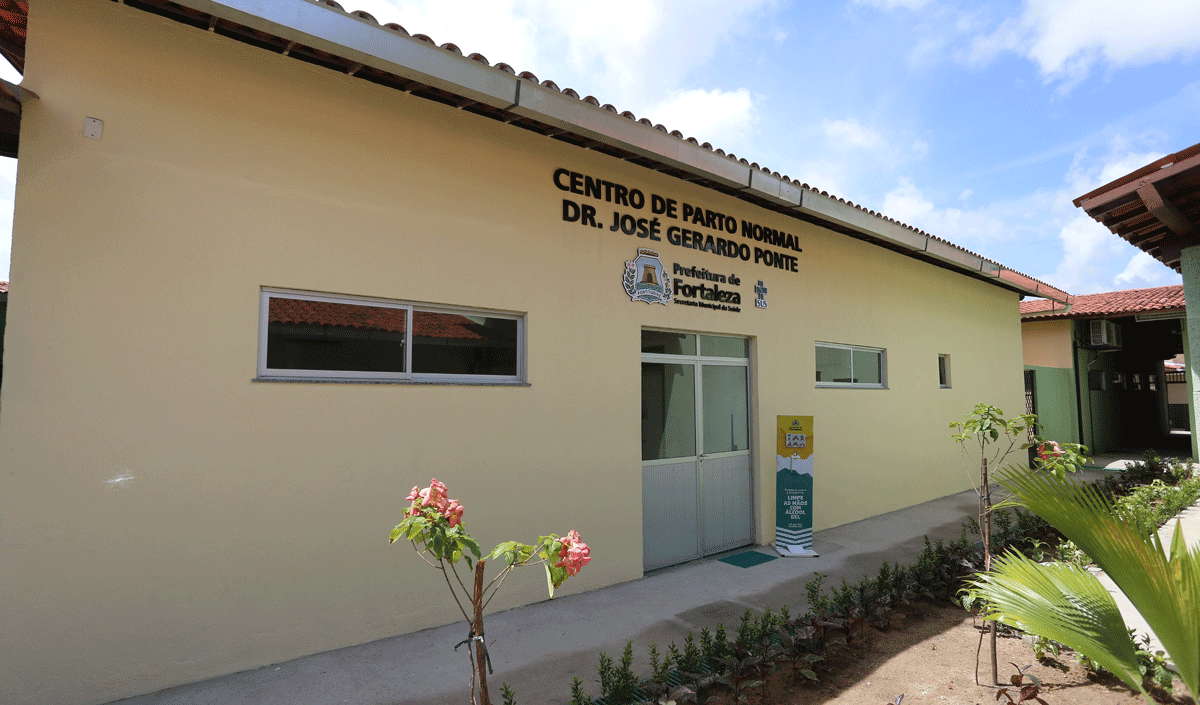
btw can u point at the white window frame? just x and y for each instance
(883, 376)
(266, 373)
(944, 364)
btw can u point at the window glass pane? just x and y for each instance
(458, 344)
(725, 417)
(665, 343)
(668, 411)
(867, 368)
(943, 371)
(721, 346)
(833, 364)
(321, 335)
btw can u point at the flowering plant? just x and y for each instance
(433, 523)
(1059, 459)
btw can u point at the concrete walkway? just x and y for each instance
(537, 649)
(1188, 521)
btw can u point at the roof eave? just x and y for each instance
(359, 40)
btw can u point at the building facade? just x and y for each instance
(274, 264)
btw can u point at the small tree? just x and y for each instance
(433, 524)
(991, 439)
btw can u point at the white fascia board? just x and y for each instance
(845, 214)
(357, 39)
(954, 255)
(560, 110)
(773, 188)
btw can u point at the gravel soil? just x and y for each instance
(929, 657)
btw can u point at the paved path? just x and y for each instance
(1189, 522)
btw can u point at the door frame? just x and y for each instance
(698, 361)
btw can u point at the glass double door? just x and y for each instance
(695, 446)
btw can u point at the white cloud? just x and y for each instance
(907, 204)
(853, 134)
(851, 145)
(1067, 39)
(894, 4)
(502, 30)
(1122, 158)
(626, 52)
(1090, 251)
(1087, 248)
(1143, 271)
(723, 118)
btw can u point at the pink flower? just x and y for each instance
(1049, 450)
(453, 513)
(433, 501)
(574, 554)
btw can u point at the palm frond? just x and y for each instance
(1165, 590)
(1062, 603)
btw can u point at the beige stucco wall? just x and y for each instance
(1046, 343)
(166, 519)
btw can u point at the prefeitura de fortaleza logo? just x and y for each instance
(646, 278)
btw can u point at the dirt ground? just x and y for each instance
(931, 659)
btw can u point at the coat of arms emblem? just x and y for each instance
(646, 278)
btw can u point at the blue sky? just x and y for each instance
(978, 122)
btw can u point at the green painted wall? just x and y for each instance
(1189, 265)
(1055, 398)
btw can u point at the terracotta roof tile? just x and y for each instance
(1107, 304)
(378, 318)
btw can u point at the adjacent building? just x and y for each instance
(1156, 208)
(1094, 369)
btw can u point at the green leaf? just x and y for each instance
(1063, 603)
(506, 549)
(1164, 588)
(396, 533)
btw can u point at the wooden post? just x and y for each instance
(480, 655)
(987, 553)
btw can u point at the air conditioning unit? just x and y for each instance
(1104, 334)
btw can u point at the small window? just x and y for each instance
(1118, 380)
(344, 338)
(1152, 382)
(850, 366)
(1135, 380)
(944, 371)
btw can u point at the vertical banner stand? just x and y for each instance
(794, 486)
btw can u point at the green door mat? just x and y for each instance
(746, 559)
